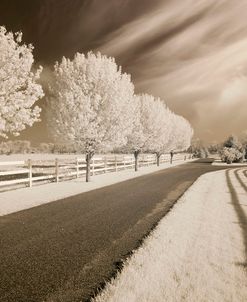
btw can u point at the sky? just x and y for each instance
(191, 53)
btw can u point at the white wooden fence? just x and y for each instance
(32, 172)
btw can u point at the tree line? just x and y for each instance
(90, 104)
(234, 149)
(25, 147)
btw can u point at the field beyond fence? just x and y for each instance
(35, 170)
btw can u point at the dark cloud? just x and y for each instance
(62, 27)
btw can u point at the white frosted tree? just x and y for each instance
(161, 129)
(181, 133)
(136, 140)
(18, 84)
(151, 127)
(91, 104)
(188, 135)
(157, 129)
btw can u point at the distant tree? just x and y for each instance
(46, 148)
(181, 134)
(15, 147)
(64, 148)
(151, 127)
(195, 145)
(243, 140)
(233, 150)
(230, 155)
(156, 129)
(214, 148)
(198, 149)
(158, 125)
(21, 147)
(18, 87)
(136, 139)
(202, 152)
(95, 101)
(233, 142)
(5, 148)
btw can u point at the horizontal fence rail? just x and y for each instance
(15, 174)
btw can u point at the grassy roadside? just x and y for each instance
(195, 252)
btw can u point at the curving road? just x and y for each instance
(65, 250)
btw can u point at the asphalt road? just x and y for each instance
(65, 250)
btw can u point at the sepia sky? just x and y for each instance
(191, 53)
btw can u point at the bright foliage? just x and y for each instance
(18, 87)
(156, 128)
(91, 103)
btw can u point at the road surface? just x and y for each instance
(65, 250)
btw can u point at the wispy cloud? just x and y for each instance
(191, 53)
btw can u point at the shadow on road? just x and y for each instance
(202, 161)
(239, 210)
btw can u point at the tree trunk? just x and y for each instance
(158, 159)
(136, 153)
(88, 168)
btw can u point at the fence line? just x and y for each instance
(33, 172)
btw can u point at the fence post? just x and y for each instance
(93, 172)
(30, 175)
(142, 161)
(115, 163)
(136, 162)
(56, 170)
(77, 168)
(105, 164)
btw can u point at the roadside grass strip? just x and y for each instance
(198, 252)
